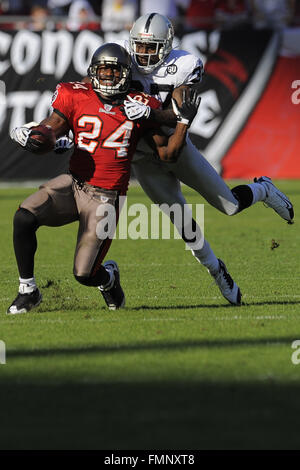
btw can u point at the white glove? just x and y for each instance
(63, 144)
(31, 124)
(135, 109)
(21, 134)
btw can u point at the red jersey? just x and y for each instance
(104, 139)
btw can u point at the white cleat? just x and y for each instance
(276, 199)
(229, 289)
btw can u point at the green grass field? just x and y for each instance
(178, 368)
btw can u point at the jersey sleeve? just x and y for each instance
(154, 103)
(191, 70)
(146, 99)
(62, 101)
(151, 123)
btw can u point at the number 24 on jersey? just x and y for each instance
(118, 140)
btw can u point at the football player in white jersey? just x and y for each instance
(158, 70)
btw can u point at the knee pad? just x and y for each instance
(94, 281)
(84, 280)
(91, 281)
(24, 220)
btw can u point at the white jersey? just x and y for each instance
(179, 68)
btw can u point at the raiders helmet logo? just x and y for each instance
(172, 69)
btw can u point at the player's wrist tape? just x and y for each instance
(184, 121)
(178, 114)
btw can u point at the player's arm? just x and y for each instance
(137, 110)
(167, 116)
(134, 109)
(57, 122)
(40, 138)
(168, 149)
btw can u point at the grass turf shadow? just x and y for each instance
(150, 416)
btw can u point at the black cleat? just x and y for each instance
(114, 296)
(25, 302)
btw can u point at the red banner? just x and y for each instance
(269, 144)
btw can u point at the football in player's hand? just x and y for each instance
(43, 138)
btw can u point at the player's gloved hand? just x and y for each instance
(189, 107)
(63, 144)
(135, 109)
(21, 135)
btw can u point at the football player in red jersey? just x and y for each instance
(104, 143)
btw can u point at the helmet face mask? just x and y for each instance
(116, 59)
(147, 53)
(155, 32)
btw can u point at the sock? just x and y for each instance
(207, 257)
(244, 195)
(108, 285)
(258, 191)
(25, 241)
(27, 286)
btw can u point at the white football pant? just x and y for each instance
(161, 183)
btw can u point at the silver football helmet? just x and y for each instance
(154, 29)
(116, 56)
